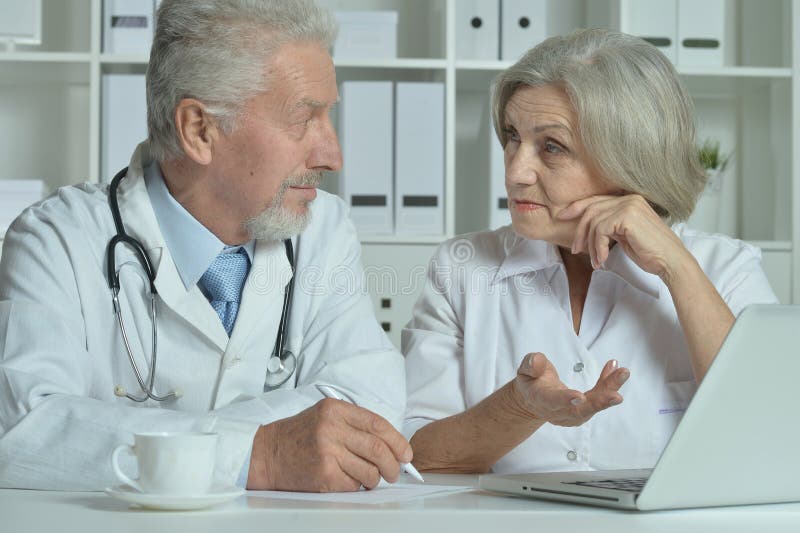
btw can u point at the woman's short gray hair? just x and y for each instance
(216, 51)
(635, 118)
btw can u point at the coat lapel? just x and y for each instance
(262, 298)
(140, 222)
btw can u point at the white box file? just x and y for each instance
(499, 215)
(478, 29)
(15, 196)
(124, 120)
(655, 21)
(526, 23)
(706, 30)
(128, 26)
(419, 159)
(21, 21)
(366, 34)
(366, 127)
(523, 25)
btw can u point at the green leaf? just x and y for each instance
(710, 157)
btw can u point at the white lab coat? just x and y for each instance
(492, 297)
(61, 350)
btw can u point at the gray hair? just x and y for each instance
(635, 118)
(216, 51)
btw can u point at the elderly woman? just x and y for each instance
(524, 336)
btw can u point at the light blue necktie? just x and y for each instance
(223, 280)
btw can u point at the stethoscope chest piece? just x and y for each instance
(279, 370)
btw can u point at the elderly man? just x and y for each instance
(213, 217)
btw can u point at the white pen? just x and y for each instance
(330, 392)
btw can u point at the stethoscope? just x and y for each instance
(282, 363)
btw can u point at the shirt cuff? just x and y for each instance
(412, 425)
(242, 481)
(234, 446)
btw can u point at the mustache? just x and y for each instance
(309, 179)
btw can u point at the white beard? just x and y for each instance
(276, 222)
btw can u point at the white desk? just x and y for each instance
(63, 512)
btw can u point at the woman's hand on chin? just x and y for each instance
(630, 221)
(540, 393)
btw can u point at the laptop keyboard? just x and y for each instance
(628, 485)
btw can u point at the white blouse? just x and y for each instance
(492, 297)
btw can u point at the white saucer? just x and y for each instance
(174, 502)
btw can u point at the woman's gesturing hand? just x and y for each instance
(630, 221)
(542, 395)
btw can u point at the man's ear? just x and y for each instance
(196, 129)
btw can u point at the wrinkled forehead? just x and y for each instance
(302, 75)
(532, 107)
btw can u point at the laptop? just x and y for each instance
(736, 444)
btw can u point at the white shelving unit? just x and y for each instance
(50, 107)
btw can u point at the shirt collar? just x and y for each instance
(526, 255)
(192, 246)
(621, 265)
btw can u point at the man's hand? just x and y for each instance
(333, 446)
(542, 395)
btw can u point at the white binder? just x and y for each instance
(21, 21)
(656, 21)
(366, 126)
(366, 34)
(124, 120)
(419, 159)
(128, 26)
(478, 29)
(499, 215)
(526, 23)
(706, 30)
(523, 25)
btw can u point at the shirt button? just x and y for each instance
(578, 367)
(571, 455)
(234, 362)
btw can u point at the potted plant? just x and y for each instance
(707, 215)
(713, 162)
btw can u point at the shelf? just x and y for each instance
(391, 63)
(471, 64)
(773, 246)
(40, 73)
(702, 82)
(766, 246)
(124, 59)
(410, 64)
(45, 57)
(403, 239)
(723, 72)
(737, 72)
(426, 64)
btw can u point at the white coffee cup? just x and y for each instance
(170, 463)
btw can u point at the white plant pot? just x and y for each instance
(707, 214)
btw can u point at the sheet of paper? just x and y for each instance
(383, 493)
